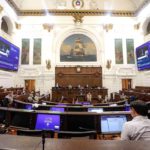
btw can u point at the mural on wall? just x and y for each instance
(130, 51)
(37, 51)
(78, 47)
(25, 51)
(118, 51)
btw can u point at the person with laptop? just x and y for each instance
(139, 127)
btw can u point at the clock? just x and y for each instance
(78, 69)
(77, 4)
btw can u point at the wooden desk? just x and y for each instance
(31, 143)
(69, 121)
(73, 93)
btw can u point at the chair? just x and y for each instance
(72, 134)
(144, 136)
(38, 133)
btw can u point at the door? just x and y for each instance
(126, 84)
(30, 85)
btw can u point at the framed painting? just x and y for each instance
(25, 51)
(130, 51)
(37, 51)
(118, 51)
(78, 47)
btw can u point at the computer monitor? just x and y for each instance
(59, 109)
(47, 122)
(86, 103)
(28, 106)
(98, 110)
(112, 123)
(20, 119)
(61, 104)
(2, 116)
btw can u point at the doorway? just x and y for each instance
(126, 84)
(30, 85)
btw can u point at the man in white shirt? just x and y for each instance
(139, 127)
(10, 97)
(89, 97)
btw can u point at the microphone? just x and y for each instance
(43, 139)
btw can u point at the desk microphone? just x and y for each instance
(43, 139)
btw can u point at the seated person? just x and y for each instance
(57, 85)
(87, 86)
(139, 127)
(37, 97)
(62, 98)
(24, 92)
(79, 86)
(123, 96)
(9, 97)
(30, 98)
(89, 97)
(69, 86)
(106, 99)
(99, 97)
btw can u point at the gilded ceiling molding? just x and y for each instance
(47, 27)
(75, 12)
(70, 12)
(1, 8)
(18, 26)
(108, 27)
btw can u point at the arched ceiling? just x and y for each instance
(89, 7)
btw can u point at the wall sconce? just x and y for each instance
(108, 64)
(137, 26)
(48, 64)
(107, 27)
(47, 27)
(18, 26)
(1, 8)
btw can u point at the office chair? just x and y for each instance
(72, 134)
(38, 133)
(144, 136)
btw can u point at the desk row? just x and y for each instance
(105, 122)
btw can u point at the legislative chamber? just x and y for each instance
(72, 73)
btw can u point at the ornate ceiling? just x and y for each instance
(70, 7)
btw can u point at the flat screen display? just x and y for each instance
(98, 110)
(86, 103)
(112, 123)
(28, 106)
(20, 119)
(9, 55)
(47, 122)
(60, 109)
(2, 116)
(143, 56)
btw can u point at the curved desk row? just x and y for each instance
(66, 121)
(72, 107)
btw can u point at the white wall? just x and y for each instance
(32, 27)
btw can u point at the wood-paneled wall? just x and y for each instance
(75, 76)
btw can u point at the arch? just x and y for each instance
(146, 26)
(86, 32)
(6, 25)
